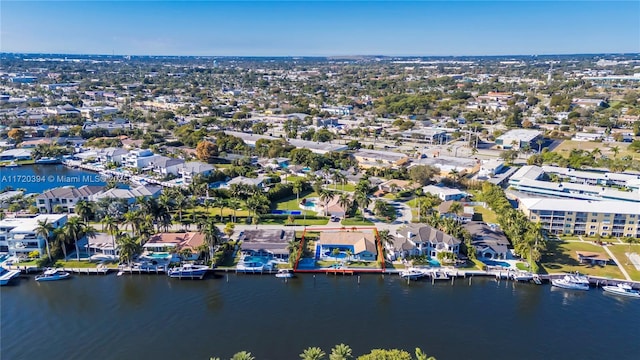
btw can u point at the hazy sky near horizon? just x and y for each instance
(319, 28)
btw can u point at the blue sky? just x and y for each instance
(319, 28)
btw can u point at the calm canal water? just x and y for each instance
(154, 317)
(38, 178)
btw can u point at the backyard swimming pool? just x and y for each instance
(158, 255)
(496, 263)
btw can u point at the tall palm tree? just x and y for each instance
(380, 207)
(363, 201)
(212, 236)
(181, 203)
(312, 353)
(45, 229)
(615, 150)
(111, 225)
(456, 208)
(85, 210)
(220, 203)
(128, 247)
(540, 142)
(341, 352)
(325, 196)
(345, 202)
(76, 230)
(297, 189)
(233, 204)
(61, 238)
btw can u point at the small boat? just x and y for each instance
(188, 271)
(48, 160)
(12, 164)
(571, 283)
(284, 273)
(7, 275)
(623, 289)
(412, 274)
(53, 275)
(522, 276)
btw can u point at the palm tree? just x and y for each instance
(615, 150)
(220, 203)
(61, 239)
(456, 208)
(312, 353)
(420, 355)
(540, 142)
(341, 352)
(45, 229)
(325, 196)
(128, 247)
(380, 207)
(211, 236)
(243, 355)
(345, 202)
(84, 209)
(76, 230)
(349, 254)
(297, 189)
(111, 226)
(181, 202)
(233, 204)
(363, 201)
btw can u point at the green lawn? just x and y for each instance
(487, 214)
(561, 257)
(298, 221)
(619, 251)
(82, 264)
(566, 146)
(292, 203)
(215, 211)
(356, 221)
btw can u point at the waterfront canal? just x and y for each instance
(38, 178)
(154, 317)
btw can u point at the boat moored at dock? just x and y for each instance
(53, 275)
(622, 289)
(572, 282)
(188, 271)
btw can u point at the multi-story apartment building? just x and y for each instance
(18, 235)
(66, 197)
(580, 217)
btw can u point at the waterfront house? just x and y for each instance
(15, 154)
(176, 242)
(378, 158)
(164, 165)
(361, 244)
(267, 242)
(66, 197)
(18, 235)
(139, 159)
(489, 241)
(421, 239)
(111, 155)
(194, 168)
(146, 191)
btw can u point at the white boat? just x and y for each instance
(284, 273)
(188, 271)
(522, 276)
(412, 274)
(7, 275)
(571, 283)
(622, 289)
(53, 275)
(12, 164)
(48, 160)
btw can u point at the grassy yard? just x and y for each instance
(292, 203)
(298, 221)
(566, 146)
(487, 214)
(215, 211)
(82, 264)
(619, 251)
(561, 257)
(356, 221)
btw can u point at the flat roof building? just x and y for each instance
(518, 138)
